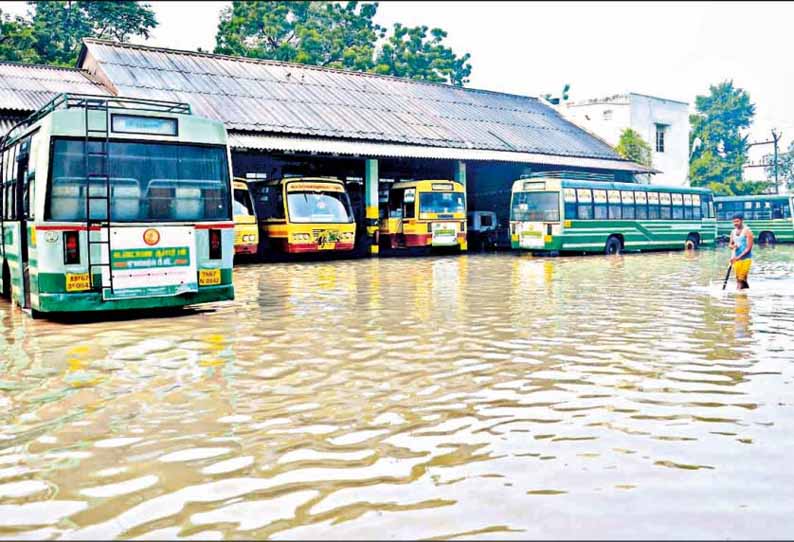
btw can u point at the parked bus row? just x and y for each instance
(109, 203)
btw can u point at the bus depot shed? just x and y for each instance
(369, 130)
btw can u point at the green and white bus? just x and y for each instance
(115, 204)
(557, 215)
(770, 217)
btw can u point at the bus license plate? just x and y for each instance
(326, 246)
(77, 282)
(209, 277)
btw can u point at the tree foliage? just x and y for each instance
(54, 33)
(318, 33)
(718, 142)
(337, 35)
(17, 40)
(633, 147)
(410, 52)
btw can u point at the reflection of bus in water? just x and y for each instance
(246, 230)
(425, 214)
(770, 217)
(566, 215)
(112, 203)
(303, 214)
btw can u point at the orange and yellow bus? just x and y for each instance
(303, 215)
(425, 214)
(246, 230)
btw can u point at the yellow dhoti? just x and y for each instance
(742, 268)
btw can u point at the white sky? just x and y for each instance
(668, 49)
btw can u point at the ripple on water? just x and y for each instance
(407, 396)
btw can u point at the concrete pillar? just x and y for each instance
(460, 172)
(371, 177)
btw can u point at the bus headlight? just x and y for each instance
(301, 237)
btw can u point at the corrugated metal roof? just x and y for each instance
(27, 87)
(396, 150)
(266, 96)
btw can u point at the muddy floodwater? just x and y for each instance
(481, 396)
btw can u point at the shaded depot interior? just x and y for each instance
(488, 184)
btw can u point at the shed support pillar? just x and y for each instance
(371, 178)
(460, 172)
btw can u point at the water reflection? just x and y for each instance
(407, 396)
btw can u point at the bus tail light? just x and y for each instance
(548, 229)
(216, 252)
(71, 247)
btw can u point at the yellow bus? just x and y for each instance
(425, 214)
(246, 230)
(303, 215)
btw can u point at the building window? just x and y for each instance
(660, 130)
(607, 114)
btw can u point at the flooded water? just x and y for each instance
(490, 396)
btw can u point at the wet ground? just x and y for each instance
(491, 396)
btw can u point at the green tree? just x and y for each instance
(633, 147)
(17, 40)
(718, 142)
(337, 35)
(410, 52)
(785, 167)
(326, 34)
(59, 27)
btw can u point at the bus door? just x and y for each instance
(23, 206)
(399, 201)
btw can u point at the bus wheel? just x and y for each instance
(767, 239)
(6, 291)
(613, 246)
(692, 242)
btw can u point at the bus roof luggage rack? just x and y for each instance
(82, 101)
(572, 175)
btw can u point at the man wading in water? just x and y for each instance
(742, 246)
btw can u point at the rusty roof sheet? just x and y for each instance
(272, 97)
(27, 87)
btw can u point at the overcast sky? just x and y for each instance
(672, 50)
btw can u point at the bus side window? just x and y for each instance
(570, 203)
(614, 205)
(600, 204)
(585, 206)
(641, 205)
(777, 209)
(677, 206)
(653, 206)
(627, 197)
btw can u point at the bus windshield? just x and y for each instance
(536, 206)
(319, 207)
(150, 182)
(242, 203)
(442, 202)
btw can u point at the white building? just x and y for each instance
(662, 123)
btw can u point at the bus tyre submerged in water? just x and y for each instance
(613, 246)
(767, 238)
(692, 242)
(5, 291)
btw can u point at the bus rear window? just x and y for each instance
(536, 206)
(149, 182)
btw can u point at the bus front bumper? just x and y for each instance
(303, 248)
(245, 249)
(92, 301)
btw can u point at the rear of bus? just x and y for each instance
(168, 239)
(428, 214)
(246, 229)
(535, 211)
(305, 215)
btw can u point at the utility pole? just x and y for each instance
(776, 138)
(774, 141)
